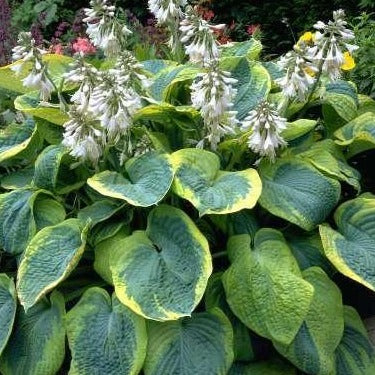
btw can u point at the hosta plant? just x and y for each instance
(189, 217)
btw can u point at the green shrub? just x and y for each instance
(185, 217)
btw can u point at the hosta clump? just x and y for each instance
(161, 217)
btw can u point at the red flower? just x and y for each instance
(251, 29)
(83, 45)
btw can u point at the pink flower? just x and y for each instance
(58, 49)
(251, 29)
(83, 45)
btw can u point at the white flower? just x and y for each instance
(86, 75)
(115, 103)
(104, 29)
(331, 41)
(166, 10)
(266, 126)
(197, 35)
(38, 78)
(299, 75)
(82, 136)
(212, 94)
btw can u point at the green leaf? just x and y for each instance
(358, 135)
(296, 191)
(270, 367)
(105, 337)
(47, 212)
(49, 258)
(47, 166)
(17, 224)
(155, 66)
(30, 104)
(355, 353)
(351, 248)
(211, 191)
(252, 90)
(19, 179)
(308, 250)
(104, 252)
(99, 211)
(215, 297)
(328, 158)
(263, 286)
(8, 305)
(161, 273)
(250, 48)
(298, 128)
(342, 97)
(150, 177)
(18, 139)
(199, 345)
(312, 350)
(37, 345)
(57, 66)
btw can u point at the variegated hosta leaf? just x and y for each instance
(19, 179)
(99, 211)
(150, 177)
(57, 65)
(199, 180)
(214, 296)
(296, 191)
(47, 167)
(8, 305)
(105, 337)
(343, 98)
(30, 104)
(312, 350)
(17, 221)
(250, 48)
(200, 345)
(104, 252)
(161, 273)
(328, 158)
(37, 344)
(47, 212)
(262, 286)
(270, 367)
(18, 139)
(358, 135)
(49, 258)
(308, 250)
(298, 128)
(355, 354)
(351, 248)
(253, 83)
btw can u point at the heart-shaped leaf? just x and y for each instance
(105, 337)
(199, 180)
(161, 273)
(263, 285)
(200, 345)
(150, 177)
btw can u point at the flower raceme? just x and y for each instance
(199, 39)
(266, 126)
(26, 51)
(331, 43)
(104, 29)
(212, 94)
(166, 11)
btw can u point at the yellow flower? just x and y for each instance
(349, 62)
(308, 37)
